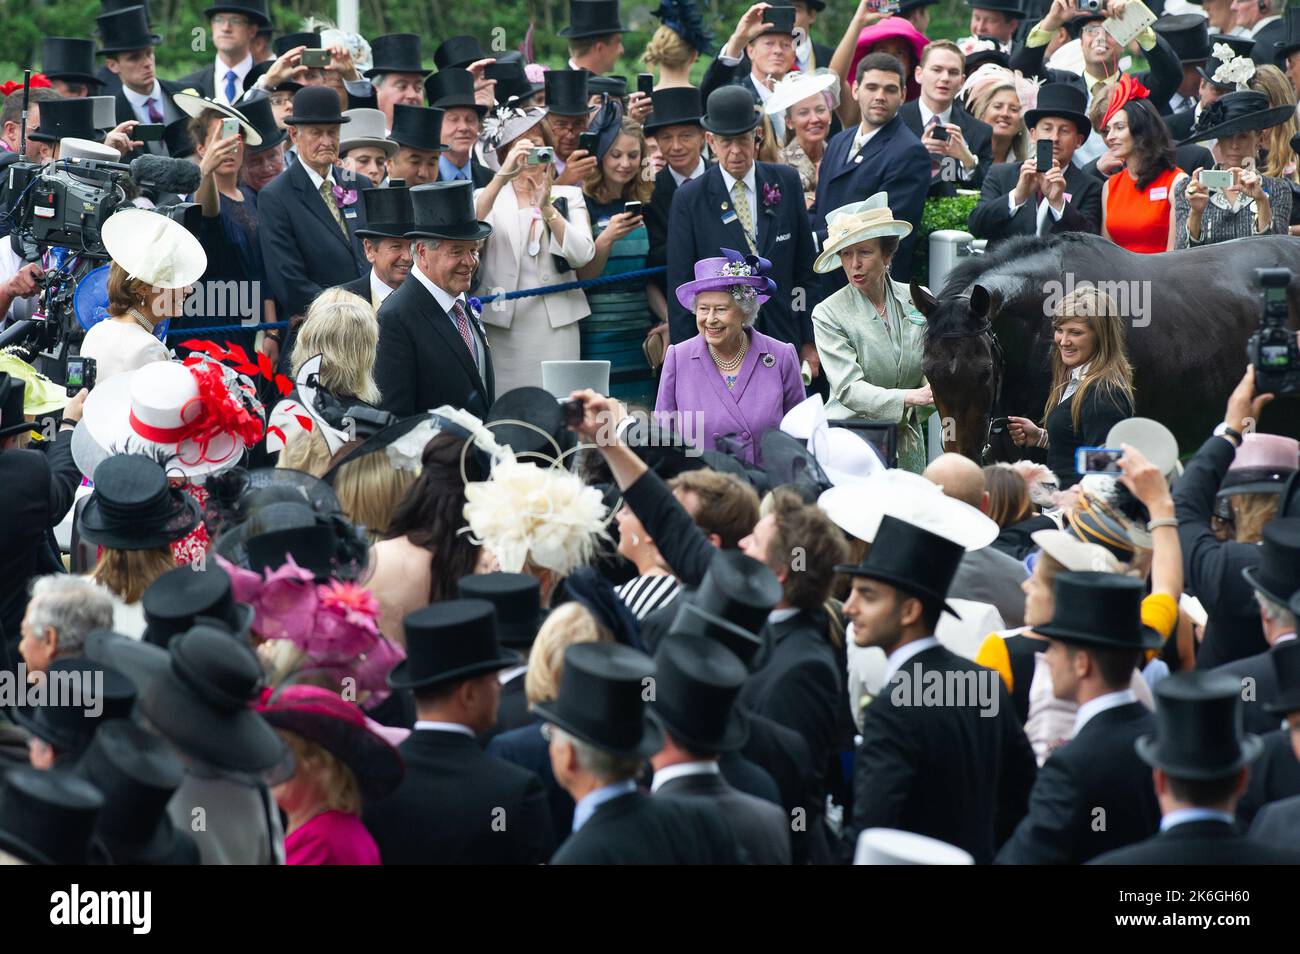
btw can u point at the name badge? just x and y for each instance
(729, 217)
(1160, 195)
(782, 238)
(349, 213)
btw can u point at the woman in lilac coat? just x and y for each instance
(729, 383)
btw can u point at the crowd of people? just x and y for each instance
(424, 561)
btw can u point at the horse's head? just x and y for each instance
(962, 362)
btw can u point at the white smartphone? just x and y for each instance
(229, 127)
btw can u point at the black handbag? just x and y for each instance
(561, 205)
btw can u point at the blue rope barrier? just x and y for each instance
(521, 293)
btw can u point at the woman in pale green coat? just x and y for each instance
(869, 333)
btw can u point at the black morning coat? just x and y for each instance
(459, 805)
(637, 829)
(1093, 794)
(950, 771)
(423, 362)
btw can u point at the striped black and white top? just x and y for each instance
(645, 594)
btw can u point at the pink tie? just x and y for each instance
(462, 323)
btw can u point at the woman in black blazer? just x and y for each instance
(1092, 383)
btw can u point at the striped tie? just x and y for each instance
(327, 195)
(462, 325)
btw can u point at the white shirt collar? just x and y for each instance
(315, 179)
(695, 173)
(764, 94)
(1263, 22)
(682, 769)
(241, 70)
(1181, 816)
(926, 115)
(782, 614)
(903, 653)
(379, 289)
(1096, 706)
(862, 137)
(730, 181)
(444, 300)
(138, 101)
(429, 725)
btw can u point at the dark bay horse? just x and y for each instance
(1187, 316)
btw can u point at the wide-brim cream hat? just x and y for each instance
(858, 507)
(154, 249)
(797, 86)
(1073, 554)
(851, 224)
(193, 105)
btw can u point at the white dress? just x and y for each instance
(119, 346)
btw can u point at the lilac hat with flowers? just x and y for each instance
(743, 276)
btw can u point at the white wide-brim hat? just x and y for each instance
(851, 224)
(1073, 554)
(562, 378)
(1152, 439)
(193, 105)
(843, 456)
(858, 507)
(369, 127)
(796, 86)
(890, 846)
(154, 249)
(158, 398)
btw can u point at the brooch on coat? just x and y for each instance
(769, 361)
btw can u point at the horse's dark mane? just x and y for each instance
(971, 268)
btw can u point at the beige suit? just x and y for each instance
(868, 369)
(524, 332)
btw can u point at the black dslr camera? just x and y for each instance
(1272, 349)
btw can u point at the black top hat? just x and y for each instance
(731, 604)
(458, 52)
(730, 111)
(546, 437)
(1099, 609)
(256, 107)
(316, 104)
(105, 694)
(138, 774)
(592, 18)
(47, 818)
(517, 598)
(675, 106)
(417, 127)
(124, 30)
(1063, 101)
(112, 6)
(12, 419)
(697, 683)
(912, 559)
(1284, 48)
(1075, 27)
(1241, 46)
(511, 78)
(907, 6)
(175, 601)
(388, 212)
(566, 92)
(72, 118)
(446, 210)
(134, 508)
(1011, 8)
(452, 87)
(448, 642)
(69, 58)
(291, 41)
(199, 693)
(1234, 112)
(1285, 657)
(255, 10)
(612, 86)
(601, 700)
(396, 53)
(1199, 727)
(1278, 574)
(1187, 34)
(993, 55)
(781, 16)
(294, 530)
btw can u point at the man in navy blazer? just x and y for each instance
(880, 155)
(705, 218)
(309, 242)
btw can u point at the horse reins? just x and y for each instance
(995, 350)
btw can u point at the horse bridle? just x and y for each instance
(995, 350)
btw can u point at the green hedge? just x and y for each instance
(950, 213)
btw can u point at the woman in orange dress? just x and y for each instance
(1137, 202)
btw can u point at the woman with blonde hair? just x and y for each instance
(677, 43)
(995, 95)
(566, 626)
(342, 329)
(1092, 382)
(1279, 159)
(807, 102)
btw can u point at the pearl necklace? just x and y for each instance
(729, 366)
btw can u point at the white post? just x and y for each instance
(348, 16)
